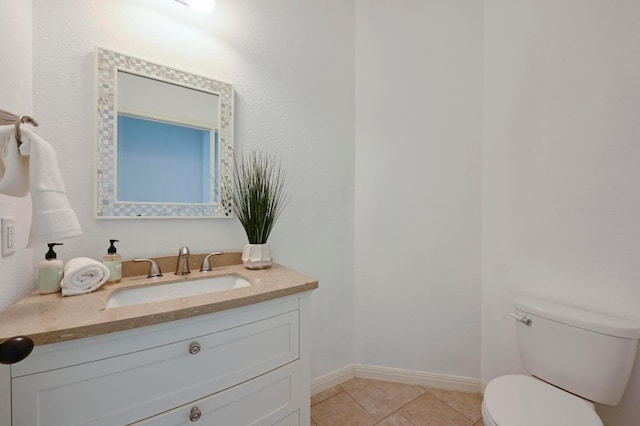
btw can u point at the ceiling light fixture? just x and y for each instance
(202, 6)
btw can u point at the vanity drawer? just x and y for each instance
(80, 351)
(268, 400)
(126, 388)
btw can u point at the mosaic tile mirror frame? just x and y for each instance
(108, 64)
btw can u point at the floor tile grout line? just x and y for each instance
(326, 399)
(335, 394)
(354, 400)
(424, 391)
(371, 414)
(400, 414)
(360, 405)
(414, 399)
(453, 408)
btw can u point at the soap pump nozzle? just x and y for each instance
(112, 248)
(52, 254)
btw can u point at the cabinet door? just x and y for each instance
(130, 387)
(265, 401)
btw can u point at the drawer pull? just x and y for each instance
(195, 414)
(194, 348)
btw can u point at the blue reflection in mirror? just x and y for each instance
(164, 162)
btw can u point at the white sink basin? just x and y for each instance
(160, 292)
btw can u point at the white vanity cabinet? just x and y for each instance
(245, 366)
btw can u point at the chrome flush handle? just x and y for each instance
(525, 319)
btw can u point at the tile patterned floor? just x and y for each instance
(364, 402)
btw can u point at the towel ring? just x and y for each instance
(23, 119)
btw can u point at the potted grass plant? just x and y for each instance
(258, 196)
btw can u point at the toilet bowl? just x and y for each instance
(518, 400)
(573, 355)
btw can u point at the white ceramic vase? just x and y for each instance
(257, 256)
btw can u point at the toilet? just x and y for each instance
(575, 357)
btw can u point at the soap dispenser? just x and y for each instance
(50, 271)
(113, 261)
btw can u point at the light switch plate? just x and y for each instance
(8, 236)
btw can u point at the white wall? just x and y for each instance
(418, 186)
(559, 157)
(15, 96)
(561, 202)
(291, 64)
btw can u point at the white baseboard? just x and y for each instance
(332, 379)
(432, 380)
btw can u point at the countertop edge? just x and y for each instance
(48, 319)
(64, 335)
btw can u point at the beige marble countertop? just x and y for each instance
(53, 318)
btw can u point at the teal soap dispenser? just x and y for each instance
(50, 271)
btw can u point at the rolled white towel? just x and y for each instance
(83, 275)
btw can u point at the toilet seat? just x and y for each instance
(518, 400)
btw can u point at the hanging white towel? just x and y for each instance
(52, 219)
(14, 169)
(83, 275)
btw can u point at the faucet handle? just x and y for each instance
(154, 269)
(206, 264)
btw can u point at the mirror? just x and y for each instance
(164, 141)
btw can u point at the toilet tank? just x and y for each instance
(586, 353)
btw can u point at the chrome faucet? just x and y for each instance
(154, 269)
(182, 268)
(206, 263)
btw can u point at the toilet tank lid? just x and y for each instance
(578, 317)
